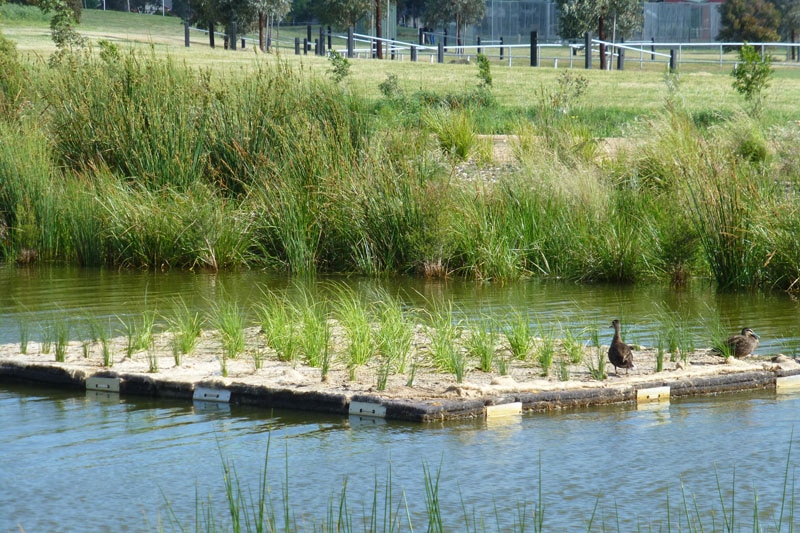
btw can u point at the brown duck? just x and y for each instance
(740, 345)
(619, 353)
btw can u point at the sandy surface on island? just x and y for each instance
(204, 364)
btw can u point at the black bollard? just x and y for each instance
(297, 46)
(621, 57)
(413, 53)
(534, 48)
(440, 53)
(350, 43)
(587, 51)
(186, 33)
(672, 60)
(501, 48)
(479, 44)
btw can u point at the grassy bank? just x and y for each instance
(268, 162)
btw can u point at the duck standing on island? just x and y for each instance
(619, 353)
(740, 345)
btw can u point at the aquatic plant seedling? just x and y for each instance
(62, 329)
(393, 337)
(518, 334)
(229, 321)
(186, 326)
(278, 317)
(355, 320)
(482, 343)
(443, 331)
(24, 335)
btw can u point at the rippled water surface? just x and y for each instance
(72, 461)
(78, 462)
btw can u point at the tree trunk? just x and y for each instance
(379, 28)
(211, 34)
(262, 41)
(601, 34)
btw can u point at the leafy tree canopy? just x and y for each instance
(622, 17)
(749, 20)
(342, 13)
(462, 12)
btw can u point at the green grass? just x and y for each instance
(100, 167)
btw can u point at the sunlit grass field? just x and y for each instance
(639, 89)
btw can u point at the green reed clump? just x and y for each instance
(228, 319)
(545, 349)
(186, 326)
(453, 130)
(481, 343)
(518, 334)
(152, 361)
(394, 336)
(444, 330)
(356, 321)
(116, 113)
(278, 318)
(61, 329)
(572, 346)
(723, 195)
(139, 333)
(48, 336)
(315, 334)
(597, 363)
(563, 368)
(660, 348)
(24, 334)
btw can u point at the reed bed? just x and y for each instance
(262, 508)
(278, 168)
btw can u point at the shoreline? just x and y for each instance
(429, 396)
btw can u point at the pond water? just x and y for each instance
(74, 461)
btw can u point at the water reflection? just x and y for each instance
(36, 295)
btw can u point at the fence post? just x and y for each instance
(305, 46)
(587, 51)
(421, 36)
(297, 46)
(391, 49)
(501, 48)
(330, 45)
(186, 33)
(445, 39)
(534, 48)
(621, 57)
(350, 43)
(652, 49)
(308, 32)
(413, 53)
(233, 35)
(243, 43)
(672, 60)
(440, 52)
(479, 44)
(321, 41)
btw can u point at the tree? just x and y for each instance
(790, 20)
(342, 13)
(270, 11)
(462, 12)
(582, 16)
(749, 20)
(751, 77)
